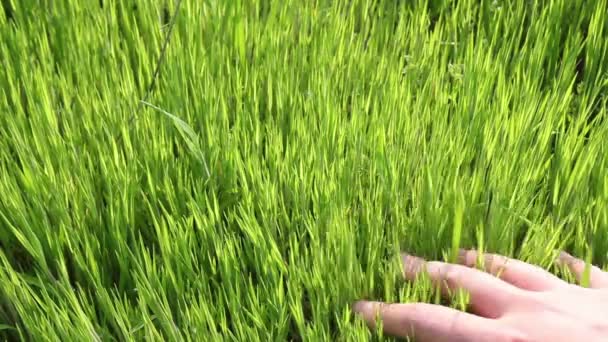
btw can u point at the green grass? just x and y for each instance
(285, 155)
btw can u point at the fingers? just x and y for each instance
(427, 322)
(598, 278)
(518, 273)
(489, 296)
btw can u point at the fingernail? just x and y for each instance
(564, 258)
(564, 255)
(462, 255)
(407, 260)
(411, 264)
(361, 306)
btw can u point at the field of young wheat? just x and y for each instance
(245, 170)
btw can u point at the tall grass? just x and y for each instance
(286, 154)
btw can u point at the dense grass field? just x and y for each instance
(264, 172)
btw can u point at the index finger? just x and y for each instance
(489, 296)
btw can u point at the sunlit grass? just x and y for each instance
(286, 154)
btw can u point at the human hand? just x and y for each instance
(513, 301)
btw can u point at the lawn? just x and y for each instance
(246, 170)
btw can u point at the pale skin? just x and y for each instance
(511, 301)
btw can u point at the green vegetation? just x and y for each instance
(285, 154)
